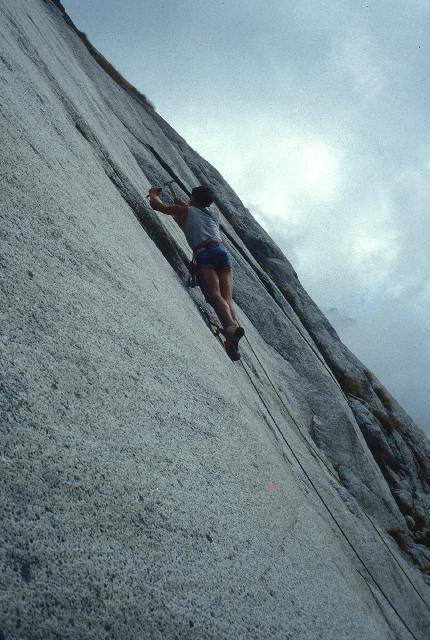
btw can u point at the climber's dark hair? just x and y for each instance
(204, 196)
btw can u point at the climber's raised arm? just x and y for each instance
(168, 209)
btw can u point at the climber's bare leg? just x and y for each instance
(226, 289)
(211, 283)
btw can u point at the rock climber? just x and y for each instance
(200, 225)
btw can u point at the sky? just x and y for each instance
(317, 113)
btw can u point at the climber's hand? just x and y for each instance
(154, 192)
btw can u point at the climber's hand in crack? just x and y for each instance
(154, 192)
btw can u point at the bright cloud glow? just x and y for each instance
(317, 170)
(284, 172)
(371, 242)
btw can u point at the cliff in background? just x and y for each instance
(150, 487)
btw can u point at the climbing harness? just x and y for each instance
(192, 267)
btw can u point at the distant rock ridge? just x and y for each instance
(150, 487)
(101, 60)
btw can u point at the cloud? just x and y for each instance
(356, 55)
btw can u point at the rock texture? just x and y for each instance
(149, 486)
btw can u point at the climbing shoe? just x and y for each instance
(232, 342)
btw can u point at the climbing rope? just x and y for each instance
(297, 424)
(344, 535)
(336, 478)
(216, 330)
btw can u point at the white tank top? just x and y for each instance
(202, 225)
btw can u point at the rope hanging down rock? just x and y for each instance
(216, 329)
(336, 478)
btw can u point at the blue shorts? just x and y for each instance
(215, 256)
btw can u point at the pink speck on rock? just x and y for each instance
(271, 486)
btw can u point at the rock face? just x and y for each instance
(150, 488)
